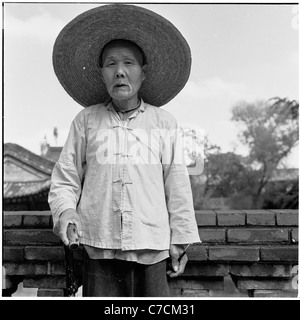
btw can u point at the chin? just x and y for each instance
(120, 97)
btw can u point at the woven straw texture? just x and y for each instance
(78, 46)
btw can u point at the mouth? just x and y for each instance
(120, 85)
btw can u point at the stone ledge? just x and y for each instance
(279, 253)
(233, 253)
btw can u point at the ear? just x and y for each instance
(144, 71)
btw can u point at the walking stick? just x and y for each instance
(69, 260)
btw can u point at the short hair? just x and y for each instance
(144, 61)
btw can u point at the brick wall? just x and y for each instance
(257, 249)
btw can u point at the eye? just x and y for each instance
(109, 64)
(128, 62)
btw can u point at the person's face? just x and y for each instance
(122, 70)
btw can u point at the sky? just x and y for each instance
(240, 52)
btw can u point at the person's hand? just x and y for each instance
(67, 217)
(177, 267)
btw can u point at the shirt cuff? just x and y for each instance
(185, 239)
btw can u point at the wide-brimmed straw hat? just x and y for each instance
(78, 46)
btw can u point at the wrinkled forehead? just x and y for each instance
(126, 45)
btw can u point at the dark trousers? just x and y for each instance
(118, 278)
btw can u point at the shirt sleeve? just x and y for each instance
(178, 190)
(68, 172)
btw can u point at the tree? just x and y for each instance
(225, 173)
(283, 195)
(193, 145)
(270, 130)
(228, 176)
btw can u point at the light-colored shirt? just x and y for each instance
(127, 180)
(140, 256)
(145, 256)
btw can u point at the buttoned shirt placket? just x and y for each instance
(121, 182)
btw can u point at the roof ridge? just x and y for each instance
(29, 157)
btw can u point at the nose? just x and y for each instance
(120, 72)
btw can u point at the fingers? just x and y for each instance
(77, 224)
(63, 232)
(69, 216)
(178, 267)
(72, 235)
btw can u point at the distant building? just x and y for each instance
(26, 179)
(50, 153)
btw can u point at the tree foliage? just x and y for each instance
(270, 130)
(283, 195)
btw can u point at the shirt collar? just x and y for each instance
(110, 107)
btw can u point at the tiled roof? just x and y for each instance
(24, 189)
(18, 188)
(28, 157)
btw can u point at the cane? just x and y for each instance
(69, 259)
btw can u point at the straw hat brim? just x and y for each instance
(78, 46)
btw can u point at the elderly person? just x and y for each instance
(121, 177)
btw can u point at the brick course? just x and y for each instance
(11, 253)
(231, 218)
(212, 283)
(275, 294)
(206, 218)
(286, 218)
(258, 248)
(260, 218)
(25, 268)
(30, 237)
(12, 220)
(205, 270)
(36, 220)
(264, 284)
(261, 270)
(50, 293)
(251, 235)
(212, 235)
(47, 282)
(44, 253)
